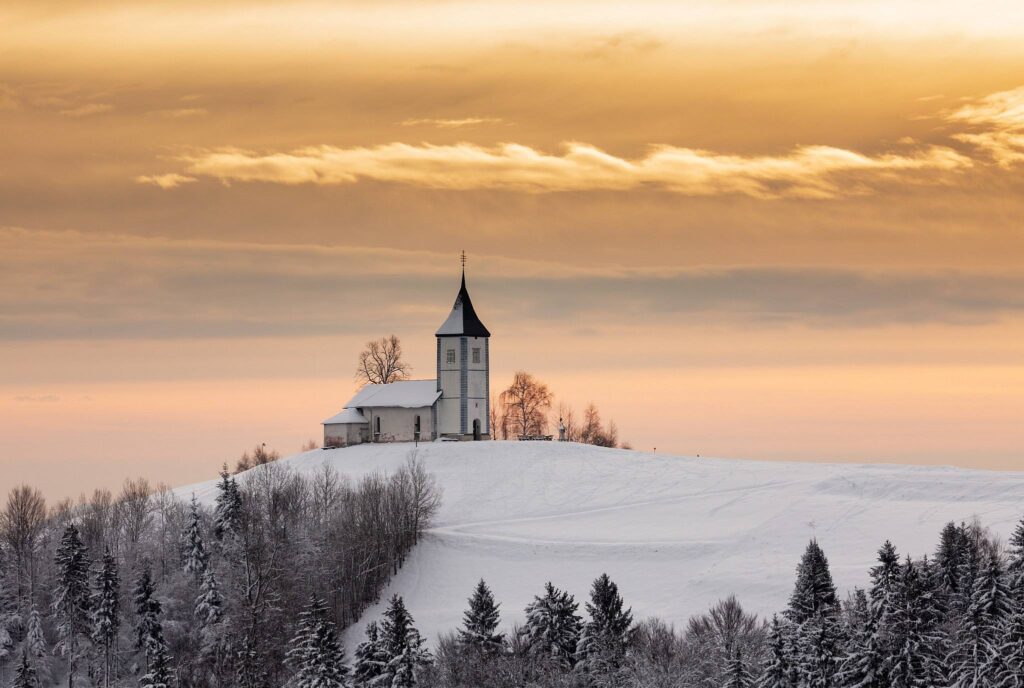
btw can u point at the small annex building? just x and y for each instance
(454, 405)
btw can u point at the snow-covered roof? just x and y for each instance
(463, 320)
(404, 394)
(346, 415)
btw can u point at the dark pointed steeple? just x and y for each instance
(463, 320)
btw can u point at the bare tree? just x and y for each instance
(381, 362)
(527, 401)
(21, 524)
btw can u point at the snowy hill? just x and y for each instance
(675, 533)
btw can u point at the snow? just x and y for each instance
(346, 416)
(403, 394)
(675, 533)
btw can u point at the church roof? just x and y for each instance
(348, 415)
(463, 320)
(403, 394)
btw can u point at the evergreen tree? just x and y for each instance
(818, 651)
(864, 665)
(249, 671)
(35, 641)
(1012, 647)
(209, 608)
(227, 513)
(949, 557)
(106, 616)
(71, 596)
(737, 675)
(148, 629)
(778, 671)
(606, 636)
(552, 626)
(884, 579)
(193, 550)
(159, 674)
(370, 662)
(979, 642)
(316, 655)
(400, 644)
(25, 674)
(480, 621)
(814, 594)
(1015, 563)
(915, 639)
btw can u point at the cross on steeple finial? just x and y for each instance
(463, 259)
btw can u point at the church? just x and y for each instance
(456, 405)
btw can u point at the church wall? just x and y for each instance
(464, 385)
(399, 424)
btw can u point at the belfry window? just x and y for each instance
(451, 356)
(476, 354)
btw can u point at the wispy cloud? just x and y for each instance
(805, 172)
(133, 287)
(179, 113)
(8, 98)
(37, 398)
(451, 123)
(998, 126)
(87, 110)
(165, 181)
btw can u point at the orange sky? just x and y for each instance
(743, 228)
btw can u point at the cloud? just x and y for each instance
(451, 123)
(8, 98)
(87, 110)
(805, 172)
(179, 113)
(165, 181)
(37, 398)
(126, 287)
(997, 121)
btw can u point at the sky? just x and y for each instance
(743, 228)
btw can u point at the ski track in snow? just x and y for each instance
(676, 533)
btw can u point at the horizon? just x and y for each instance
(743, 229)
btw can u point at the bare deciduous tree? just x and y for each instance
(381, 362)
(526, 403)
(21, 524)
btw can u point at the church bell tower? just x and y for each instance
(463, 371)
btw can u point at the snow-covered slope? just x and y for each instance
(675, 533)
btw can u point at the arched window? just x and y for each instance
(376, 428)
(476, 429)
(417, 428)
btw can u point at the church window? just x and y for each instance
(476, 355)
(451, 356)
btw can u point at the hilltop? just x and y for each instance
(676, 533)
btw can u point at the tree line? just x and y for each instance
(145, 589)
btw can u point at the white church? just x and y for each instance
(456, 405)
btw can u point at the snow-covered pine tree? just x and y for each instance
(228, 510)
(35, 640)
(915, 640)
(480, 621)
(949, 557)
(25, 674)
(777, 672)
(607, 635)
(552, 627)
(977, 647)
(159, 673)
(818, 650)
(249, 670)
(148, 629)
(194, 553)
(400, 644)
(1012, 646)
(316, 654)
(1015, 552)
(814, 594)
(209, 608)
(370, 662)
(737, 675)
(71, 596)
(106, 611)
(884, 580)
(864, 663)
